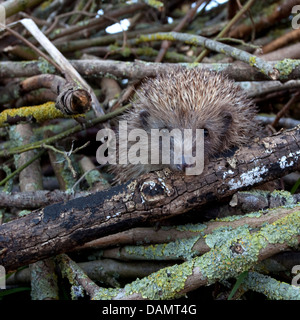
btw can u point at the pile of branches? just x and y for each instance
(231, 233)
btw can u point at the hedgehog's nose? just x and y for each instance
(182, 166)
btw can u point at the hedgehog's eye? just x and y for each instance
(144, 117)
(164, 131)
(206, 133)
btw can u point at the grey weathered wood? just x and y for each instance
(60, 227)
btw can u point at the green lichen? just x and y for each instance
(286, 66)
(237, 217)
(105, 294)
(24, 213)
(92, 177)
(252, 61)
(271, 288)
(66, 173)
(283, 230)
(179, 249)
(223, 262)
(220, 67)
(45, 67)
(163, 284)
(198, 228)
(220, 236)
(238, 252)
(288, 197)
(155, 4)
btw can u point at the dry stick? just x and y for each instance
(70, 73)
(139, 69)
(283, 10)
(101, 21)
(235, 53)
(291, 36)
(56, 19)
(285, 109)
(188, 242)
(132, 204)
(62, 135)
(74, 45)
(30, 179)
(271, 288)
(187, 18)
(86, 7)
(100, 270)
(33, 47)
(13, 6)
(227, 28)
(261, 88)
(17, 171)
(37, 199)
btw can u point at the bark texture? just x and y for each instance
(62, 226)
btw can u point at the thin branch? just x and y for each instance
(235, 53)
(232, 22)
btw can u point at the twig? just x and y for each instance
(62, 135)
(271, 288)
(37, 199)
(237, 17)
(281, 113)
(66, 155)
(69, 71)
(187, 18)
(33, 47)
(291, 36)
(235, 53)
(12, 6)
(39, 114)
(56, 19)
(17, 171)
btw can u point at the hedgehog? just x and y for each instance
(188, 99)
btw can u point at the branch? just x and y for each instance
(60, 227)
(236, 253)
(36, 199)
(38, 114)
(13, 6)
(288, 69)
(261, 65)
(273, 289)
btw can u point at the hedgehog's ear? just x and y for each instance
(144, 115)
(227, 120)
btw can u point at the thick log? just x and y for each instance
(62, 226)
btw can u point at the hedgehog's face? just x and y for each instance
(213, 138)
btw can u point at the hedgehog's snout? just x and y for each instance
(183, 165)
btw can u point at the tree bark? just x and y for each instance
(140, 69)
(60, 227)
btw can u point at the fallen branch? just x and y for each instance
(195, 241)
(38, 114)
(289, 69)
(271, 288)
(36, 199)
(226, 259)
(61, 227)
